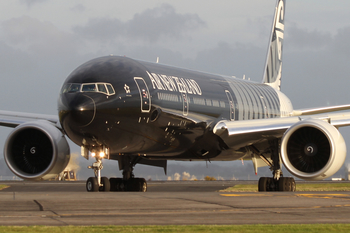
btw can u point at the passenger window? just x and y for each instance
(89, 88)
(102, 88)
(110, 89)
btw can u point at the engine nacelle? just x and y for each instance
(313, 149)
(36, 150)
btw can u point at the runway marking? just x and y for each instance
(246, 195)
(308, 195)
(325, 196)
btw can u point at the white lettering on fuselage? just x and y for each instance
(172, 83)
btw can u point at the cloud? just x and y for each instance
(321, 69)
(40, 38)
(31, 3)
(177, 176)
(150, 25)
(341, 43)
(186, 176)
(301, 38)
(78, 8)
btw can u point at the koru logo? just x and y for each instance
(127, 88)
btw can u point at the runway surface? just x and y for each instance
(175, 203)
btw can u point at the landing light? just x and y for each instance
(102, 154)
(93, 154)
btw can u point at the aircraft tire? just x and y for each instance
(106, 185)
(142, 185)
(92, 184)
(116, 184)
(262, 185)
(286, 184)
(293, 185)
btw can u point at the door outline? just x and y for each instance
(266, 110)
(185, 104)
(232, 106)
(145, 96)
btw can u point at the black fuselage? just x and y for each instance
(155, 110)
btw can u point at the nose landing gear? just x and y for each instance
(97, 183)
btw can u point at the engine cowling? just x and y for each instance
(313, 149)
(36, 150)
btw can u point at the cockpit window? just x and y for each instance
(102, 88)
(110, 89)
(89, 88)
(65, 87)
(105, 88)
(74, 87)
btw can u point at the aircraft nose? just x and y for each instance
(77, 110)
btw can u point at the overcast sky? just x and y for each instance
(42, 41)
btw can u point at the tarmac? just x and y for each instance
(166, 203)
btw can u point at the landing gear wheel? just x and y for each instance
(286, 184)
(116, 184)
(266, 184)
(143, 185)
(106, 186)
(92, 184)
(293, 185)
(262, 186)
(283, 184)
(135, 185)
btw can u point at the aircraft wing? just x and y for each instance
(312, 111)
(237, 134)
(13, 119)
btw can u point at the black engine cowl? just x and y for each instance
(313, 149)
(36, 150)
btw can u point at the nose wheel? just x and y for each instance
(92, 184)
(97, 183)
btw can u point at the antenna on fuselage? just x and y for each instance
(157, 60)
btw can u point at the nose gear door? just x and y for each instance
(144, 94)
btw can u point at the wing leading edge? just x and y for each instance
(13, 119)
(237, 134)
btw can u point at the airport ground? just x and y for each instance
(166, 203)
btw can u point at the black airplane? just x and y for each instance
(139, 112)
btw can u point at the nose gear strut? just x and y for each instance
(97, 183)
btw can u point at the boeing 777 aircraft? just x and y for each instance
(139, 112)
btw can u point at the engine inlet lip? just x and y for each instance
(8, 151)
(314, 123)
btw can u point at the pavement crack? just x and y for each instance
(41, 207)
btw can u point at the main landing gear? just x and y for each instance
(127, 183)
(286, 184)
(277, 182)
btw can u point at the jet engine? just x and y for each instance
(36, 150)
(313, 149)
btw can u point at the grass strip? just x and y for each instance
(3, 186)
(285, 228)
(304, 187)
